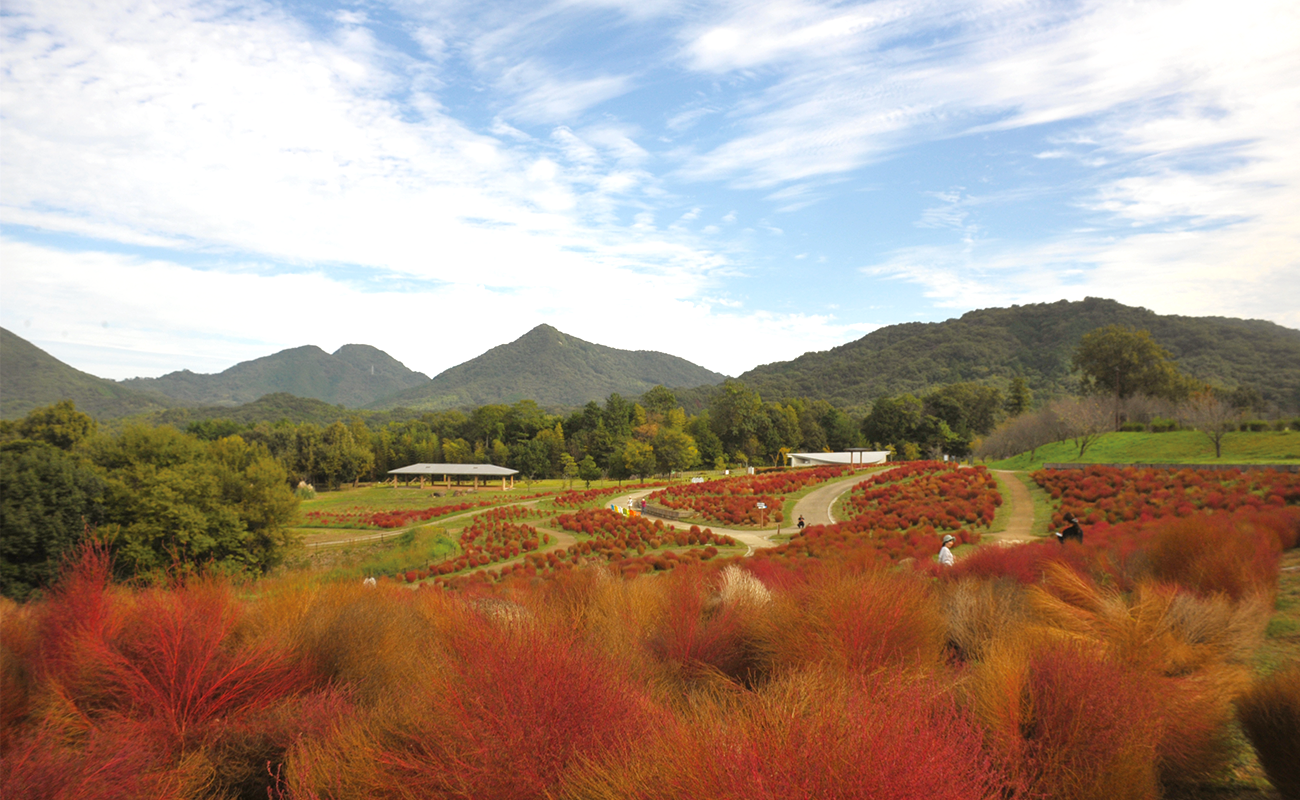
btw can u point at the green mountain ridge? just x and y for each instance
(31, 378)
(553, 369)
(352, 376)
(1035, 342)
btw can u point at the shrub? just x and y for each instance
(1270, 715)
(1063, 721)
(857, 622)
(807, 735)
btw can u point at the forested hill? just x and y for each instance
(354, 375)
(1034, 341)
(554, 369)
(32, 378)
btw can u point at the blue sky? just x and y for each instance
(186, 185)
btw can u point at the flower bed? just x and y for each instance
(1121, 494)
(734, 501)
(925, 493)
(581, 498)
(902, 514)
(492, 537)
(629, 543)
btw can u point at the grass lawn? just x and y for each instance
(1175, 447)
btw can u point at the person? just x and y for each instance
(1071, 531)
(801, 522)
(945, 553)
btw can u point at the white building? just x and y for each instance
(854, 456)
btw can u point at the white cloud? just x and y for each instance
(214, 318)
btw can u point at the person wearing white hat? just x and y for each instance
(945, 553)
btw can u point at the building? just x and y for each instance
(854, 456)
(457, 471)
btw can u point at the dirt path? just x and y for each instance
(1020, 525)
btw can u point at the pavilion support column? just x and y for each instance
(503, 483)
(446, 481)
(476, 483)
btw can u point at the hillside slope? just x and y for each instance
(353, 376)
(1034, 341)
(554, 369)
(32, 378)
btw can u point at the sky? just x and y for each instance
(188, 185)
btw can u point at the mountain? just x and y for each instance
(1036, 342)
(354, 375)
(32, 378)
(555, 370)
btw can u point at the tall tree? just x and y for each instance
(893, 420)
(48, 500)
(736, 413)
(1019, 397)
(1121, 361)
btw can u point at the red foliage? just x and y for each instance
(516, 709)
(581, 498)
(1113, 495)
(735, 500)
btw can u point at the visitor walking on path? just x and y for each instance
(945, 554)
(1071, 531)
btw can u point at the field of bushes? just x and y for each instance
(843, 664)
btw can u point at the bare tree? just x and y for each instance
(1024, 433)
(1210, 415)
(1083, 420)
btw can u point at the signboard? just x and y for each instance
(762, 505)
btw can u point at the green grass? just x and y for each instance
(1175, 447)
(1003, 515)
(1282, 636)
(409, 550)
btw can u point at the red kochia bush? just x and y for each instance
(517, 706)
(164, 656)
(806, 737)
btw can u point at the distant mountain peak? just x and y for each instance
(556, 370)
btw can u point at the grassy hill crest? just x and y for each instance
(31, 378)
(1034, 341)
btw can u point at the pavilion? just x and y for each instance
(458, 471)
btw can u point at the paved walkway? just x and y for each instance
(815, 507)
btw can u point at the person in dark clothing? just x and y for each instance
(1071, 531)
(801, 522)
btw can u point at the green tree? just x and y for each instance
(1019, 397)
(1121, 360)
(61, 425)
(532, 458)
(639, 458)
(568, 468)
(588, 470)
(458, 451)
(171, 499)
(48, 500)
(658, 402)
(893, 420)
(736, 413)
(674, 451)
